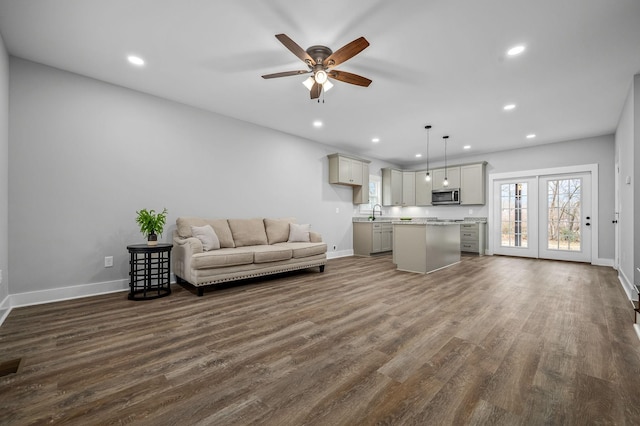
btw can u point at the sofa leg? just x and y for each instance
(200, 291)
(321, 268)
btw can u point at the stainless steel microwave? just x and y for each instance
(445, 196)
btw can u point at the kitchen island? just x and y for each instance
(425, 246)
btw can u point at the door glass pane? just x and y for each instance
(513, 217)
(563, 214)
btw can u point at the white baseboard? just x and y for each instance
(627, 286)
(5, 308)
(337, 254)
(66, 293)
(602, 262)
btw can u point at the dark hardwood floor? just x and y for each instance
(491, 340)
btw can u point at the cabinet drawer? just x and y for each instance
(469, 246)
(471, 236)
(469, 226)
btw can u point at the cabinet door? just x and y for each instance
(356, 172)
(472, 185)
(361, 193)
(344, 170)
(386, 243)
(423, 189)
(408, 188)
(452, 175)
(396, 187)
(377, 241)
(391, 187)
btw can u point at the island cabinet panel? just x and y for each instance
(391, 187)
(423, 189)
(472, 184)
(452, 175)
(372, 237)
(426, 247)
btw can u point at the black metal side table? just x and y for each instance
(150, 276)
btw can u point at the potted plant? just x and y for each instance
(151, 224)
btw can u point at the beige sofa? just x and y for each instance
(247, 248)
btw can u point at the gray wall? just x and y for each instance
(85, 155)
(627, 156)
(596, 150)
(4, 172)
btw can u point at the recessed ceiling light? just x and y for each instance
(466, 147)
(531, 136)
(317, 123)
(375, 140)
(418, 155)
(509, 107)
(516, 50)
(135, 60)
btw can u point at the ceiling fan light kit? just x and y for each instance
(320, 61)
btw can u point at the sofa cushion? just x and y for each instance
(264, 254)
(220, 227)
(207, 236)
(248, 232)
(278, 229)
(300, 250)
(299, 233)
(222, 258)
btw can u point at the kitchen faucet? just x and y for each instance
(374, 211)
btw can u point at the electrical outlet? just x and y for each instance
(108, 261)
(337, 209)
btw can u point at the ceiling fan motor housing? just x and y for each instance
(319, 54)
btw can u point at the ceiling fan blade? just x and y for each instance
(315, 90)
(350, 78)
(295, 49)
(286, 74)
(346, 52)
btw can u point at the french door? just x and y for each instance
(565, 212)
(516, 217)
(546, 216)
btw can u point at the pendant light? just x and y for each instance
(428, 176)
(445, 182)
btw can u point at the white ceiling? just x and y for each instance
(438, 62)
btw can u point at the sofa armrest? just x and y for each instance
(191, 244)
(315, 237)
(183, 251)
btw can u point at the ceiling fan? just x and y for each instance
(320, 61)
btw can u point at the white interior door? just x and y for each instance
(516, 217)
(565, 217)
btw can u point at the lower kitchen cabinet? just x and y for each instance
(372, 237)
(472, 237)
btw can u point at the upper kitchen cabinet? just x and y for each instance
(423, 188)
(361, 193)
(472, 183)
(452, 175)
(408, 189)
(347, 170)
(352, 171)
(391, 187)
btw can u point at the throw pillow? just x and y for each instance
(248, 232)
(278, 229)
(207, 235)
(299, 233)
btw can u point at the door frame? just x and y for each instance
(537, 174)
